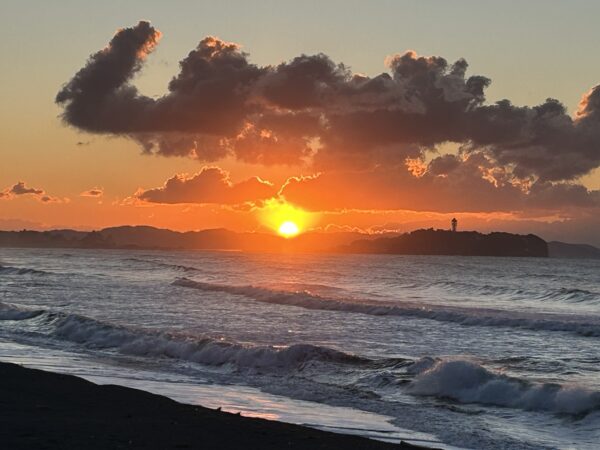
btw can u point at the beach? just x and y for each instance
(44, 410)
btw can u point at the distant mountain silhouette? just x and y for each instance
(419, 242)
(146, 237)
(564, 250)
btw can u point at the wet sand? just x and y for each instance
(43, 410)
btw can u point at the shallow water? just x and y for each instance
(471, 352)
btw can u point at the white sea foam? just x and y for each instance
(581, 325)
(466, 381)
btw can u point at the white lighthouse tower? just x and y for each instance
(454, 224)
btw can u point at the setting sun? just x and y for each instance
(288, 229)
(286, 219)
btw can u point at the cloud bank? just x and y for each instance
(220, 103)
(371, 140)
(464, 188)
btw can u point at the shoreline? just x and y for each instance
(47, 410)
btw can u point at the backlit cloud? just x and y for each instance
(359, 132)
(448, 185)
(219, 95)
(210, 185)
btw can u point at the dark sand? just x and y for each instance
(43, 410)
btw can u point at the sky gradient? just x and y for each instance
(82, 175)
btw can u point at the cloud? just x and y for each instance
(21, 189)
(51, 199)
(358, 131)
(210, 185)
(221, 104)
(94, 192)
(449, 184)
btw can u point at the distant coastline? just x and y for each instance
(418, 242)
(463, 243)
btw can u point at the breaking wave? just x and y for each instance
(94, 334)
(466, 381)
(459, 380)
(485, 317)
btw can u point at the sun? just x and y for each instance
(286, 219)
(288, 229)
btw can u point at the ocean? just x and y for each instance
(456, 352)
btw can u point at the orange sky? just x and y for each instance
(309, 149)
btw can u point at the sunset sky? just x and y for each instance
(387, 115)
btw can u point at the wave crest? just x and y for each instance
(12, 312)
(95, 334)
(466, 381)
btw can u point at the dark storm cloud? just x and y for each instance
(313, 110)
(211, 185)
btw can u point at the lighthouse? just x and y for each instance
(454, 224)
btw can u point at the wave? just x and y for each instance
(563, 294)
(477, 289)
(571, 295)
(460, 380)
(484, 317)
(7, 270)
(178, 267)
(466, 381)
(12, 312)
(94, 334)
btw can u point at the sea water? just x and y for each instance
(467, 352)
